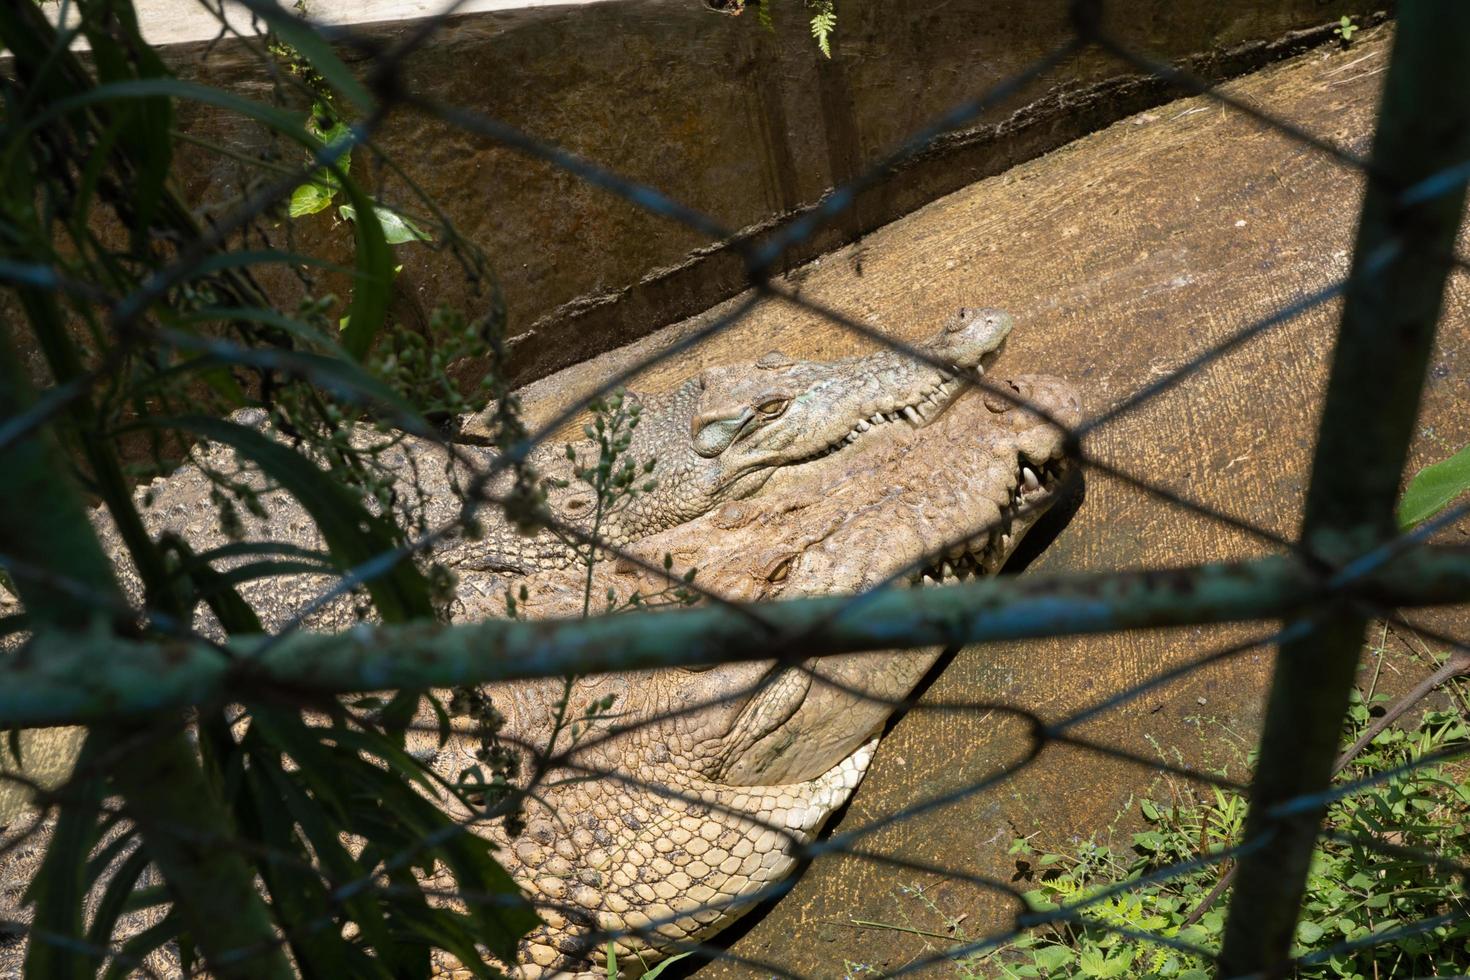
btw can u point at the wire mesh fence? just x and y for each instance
(249, 802)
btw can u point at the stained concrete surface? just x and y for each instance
(1122, 256)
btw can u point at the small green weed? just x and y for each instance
(823, 21)
(1384, 864)
(1434, 488)
(647, 974)
(1345, 30)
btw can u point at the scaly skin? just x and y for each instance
(779, 479)
(709, 782)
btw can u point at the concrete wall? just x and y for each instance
(749, 126)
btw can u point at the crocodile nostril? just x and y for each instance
(998, 403)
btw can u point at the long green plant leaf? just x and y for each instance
(120, 54)
(299, 899)
(406, 829)
(320, 819)
(374, 286)
(114, 900)
(1434, 488)
(58, 890)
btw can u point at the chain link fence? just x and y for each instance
(147, 795)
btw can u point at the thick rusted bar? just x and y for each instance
(62, 680)
(1411, 210)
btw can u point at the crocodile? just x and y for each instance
(709, 783)
(775, 479)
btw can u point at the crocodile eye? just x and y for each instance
(773, 407)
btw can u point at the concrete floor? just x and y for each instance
(1122, 256)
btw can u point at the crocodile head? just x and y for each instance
(940, 505)
(721, 434)
(749, 421)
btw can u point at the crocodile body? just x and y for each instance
(690, 800)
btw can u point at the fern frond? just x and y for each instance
(763, 14)
(824, 22)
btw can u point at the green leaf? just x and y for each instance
(125, 962)
(381, 806)
(824, 22)
(311, 198)
(298, 897)
(397, 229)
(120, 54)
(1308, 932)
(1053, 957)
(656, 971)
(1096, 963)
(114, 898)
(288, 124)
(1433, 488)
(316, 194)
(375, 276)
(320, 820)
(343, 378)
(58, 889)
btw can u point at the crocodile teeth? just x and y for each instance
(980, 371)
(878, 419)
(864, 425)
(1029, 480)
(911, 415)
(946, 570)
(852, 437)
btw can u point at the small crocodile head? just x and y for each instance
(720, 435)
(750, 420)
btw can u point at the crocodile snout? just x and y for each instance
(971, 335)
